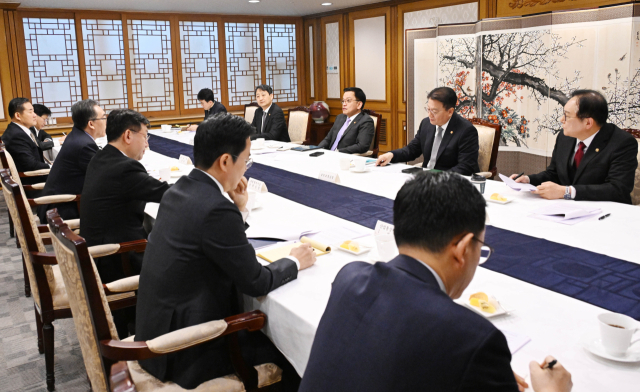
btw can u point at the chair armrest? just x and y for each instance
(34, 187)
(112, 249)
(122, 285)
(118, 350)
(120, 379)
(485, 174)
(366, 154)
(35, 173)
(44, 258)
(73, 223)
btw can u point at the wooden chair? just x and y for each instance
(250, 111)
(49, 292)
(635, 194)
(489, 141)
(101, 348)
(377, 121)
(299, 124)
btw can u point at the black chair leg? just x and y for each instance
(39, 328)
(27, 285)
(47, 334)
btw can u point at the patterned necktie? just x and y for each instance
(264, 116)
(344, 128)
(33, 138)
(579, 154)
(434, 150)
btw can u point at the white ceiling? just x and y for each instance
(239, 7)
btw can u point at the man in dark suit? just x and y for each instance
(198, 259)
(353, 130)
(394, 326)
(268, 121)
(44, 140)
(592, 159)
(445, 139)
(116, 190)
(209, 104)
(70, 167)
(18, 139)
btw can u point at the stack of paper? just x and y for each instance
(516, 185)
(279, 252)
(566, 212)
(515, 341)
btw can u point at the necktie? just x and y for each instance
(344, 128)
(264, 117)
(434, 150)
(579, 154)
(33, 138)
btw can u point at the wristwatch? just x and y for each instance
(567, 193)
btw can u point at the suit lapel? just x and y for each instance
(597, 144)
(333, 140)
(448, 134)
(351, 125)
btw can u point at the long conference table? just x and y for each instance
(557, 324)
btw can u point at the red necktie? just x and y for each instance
(579, 154)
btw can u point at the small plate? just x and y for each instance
(593, 344)
(176, 174)
(363, 249)
(493, 301)
(256, 147)
(353, 170)
(489, 199)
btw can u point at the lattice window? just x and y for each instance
(243, 61)
(280, 59)
(151, 65)
(52, 58)
(200, 60)
(105, 63)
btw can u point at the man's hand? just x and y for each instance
(192, 127)
(557, 379)
(305, 255)
(522, 384)
(522, 179)
(384, 159)
(550, 190)
(240, 195)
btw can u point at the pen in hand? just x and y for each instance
(518, 176)
(551, 364)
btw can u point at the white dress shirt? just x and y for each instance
(26, 130)
(435, 274)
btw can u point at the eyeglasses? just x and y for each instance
(97, 119)
(146, 136)
(348, 101)
(485, 251)
(432, 111)
(564, 115)
(247, 162)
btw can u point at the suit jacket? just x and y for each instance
(389, 327)
(275, 127)
(458, 150)
(607, 169)
(196, 261)
(215, 109)
(44, 140)
(356, 138)
(23, 150)
(116, 191)
(68, 172)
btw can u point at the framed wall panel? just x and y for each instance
(333, 69)
(312, 69)
(244, 66)
(370, 58)
(280, 60)
(151, 63)
(200, 59)
(52, 58)
(105, 65)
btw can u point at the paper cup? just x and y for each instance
(345, 163)
(166, 128)
(165, 174)
(359, 164)
(616, 331)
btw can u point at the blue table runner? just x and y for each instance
(594, 278)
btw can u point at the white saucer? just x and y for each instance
(363, 249)
(176, 174)
(256, 147)
(489, 199)
(593, 344)
(354, 170)
(493, 301)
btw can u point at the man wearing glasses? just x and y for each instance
(394, 326)
(70, 167)
(353, 130)
(592, 159)
(446, 140)
(198, 248)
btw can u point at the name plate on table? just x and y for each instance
(257, 186)
(329, 177)
(383, 228)
(185, 160)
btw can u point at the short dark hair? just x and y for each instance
(119, 120)
(16, 105)
(82, 112)
(264, 87)
(206, 94)
(360, 95)
(592, 104)
(223, 133)
(433, 208)
(41, 110)
(444, 95)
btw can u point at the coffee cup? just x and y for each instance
(359, 164)
(345, 163)
(616, 331)
(166, 128)
(259, 143)
(165, 174)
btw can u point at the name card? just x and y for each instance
(383, 228)
(329, 176)
(257, 186)
(185, 160)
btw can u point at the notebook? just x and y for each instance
(280, 252)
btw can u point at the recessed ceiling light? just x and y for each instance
(254, 1)
(327, 4)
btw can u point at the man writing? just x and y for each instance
(209, 104)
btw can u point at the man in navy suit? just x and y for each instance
(69, 169)
(268, 121)
(43, 139)
(18, 139)
(209, 104)
(394, 326)
(445, 139)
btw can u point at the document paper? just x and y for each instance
(516, 185)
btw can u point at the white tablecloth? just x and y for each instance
(556, 324)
